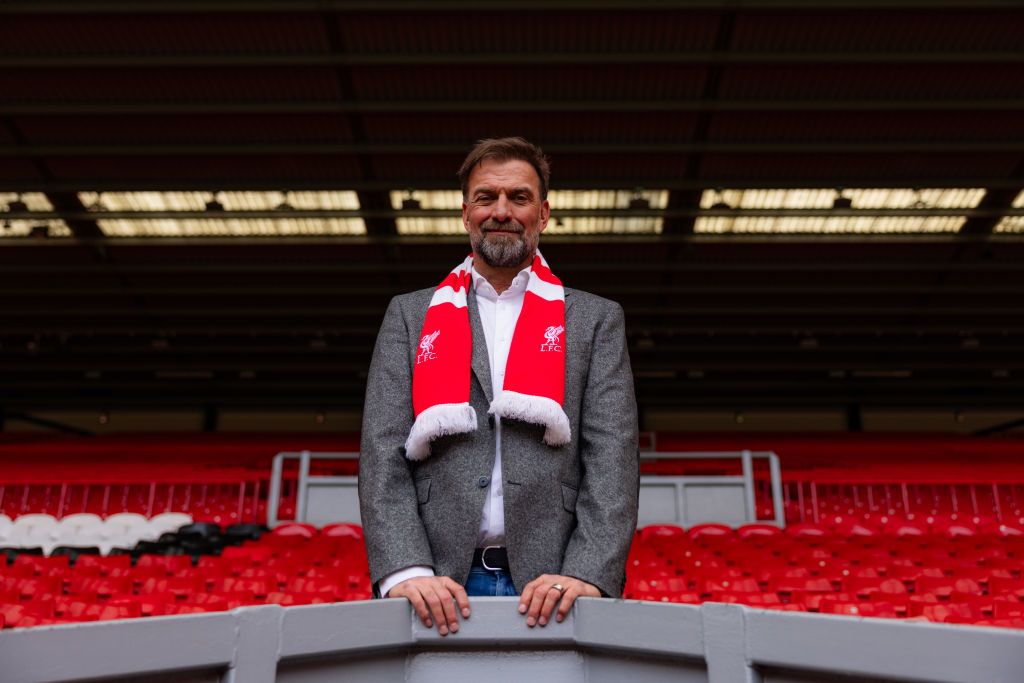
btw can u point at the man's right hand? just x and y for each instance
(434, 599)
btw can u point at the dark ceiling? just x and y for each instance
(376, 96)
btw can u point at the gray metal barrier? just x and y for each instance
(602, 641)
(678, 500)
(692, 500)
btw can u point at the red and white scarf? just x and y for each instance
(534, 387)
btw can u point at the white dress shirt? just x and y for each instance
(498, 316)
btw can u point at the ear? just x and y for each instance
(465, 216)
(545, 214)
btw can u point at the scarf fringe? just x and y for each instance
(537, 410)
(435, 421)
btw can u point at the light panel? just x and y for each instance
(604, 199)
(871, 198)
(1012, 224)
(560, 200)
(443, 200)
(224, 227)
(35, 201)
(231, 227)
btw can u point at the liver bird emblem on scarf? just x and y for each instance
(427, 347)
(552, 334)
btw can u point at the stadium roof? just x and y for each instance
(797, 202)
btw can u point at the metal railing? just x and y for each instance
(682, 500)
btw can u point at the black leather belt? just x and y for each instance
(492, 557)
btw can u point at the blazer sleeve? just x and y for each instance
(395, 537)
(606, 507)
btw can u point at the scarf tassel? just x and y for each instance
(536, 410)
(438, 420)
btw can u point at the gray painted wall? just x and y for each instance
(603, 641)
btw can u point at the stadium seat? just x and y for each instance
(124, 530)
(801, 530)
(752, 530)
(81, 529)
(168, 522)
(34, 530)
(295, 529)
(93, 565)
(343, 530)
(710, 530)
(238, 533)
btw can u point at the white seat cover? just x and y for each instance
(124, 530)
(169, 521)
(81, 529)
(36, 529)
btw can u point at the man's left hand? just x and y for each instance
(542, 594)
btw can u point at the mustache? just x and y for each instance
(492, 225)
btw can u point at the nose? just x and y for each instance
(501, 208)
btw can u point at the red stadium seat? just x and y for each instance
(343, 530)
(805, 530)
(710, 531)
(167, 564)
(100, 565)
(295, 529)
(752, 530)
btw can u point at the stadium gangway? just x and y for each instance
(601, 641)
(681, 500)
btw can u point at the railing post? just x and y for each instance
(748, 486)
(259, 633)
(303, 484)
(273, 498)
(775, 471)
(725, 644)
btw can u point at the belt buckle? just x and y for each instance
(483, 559)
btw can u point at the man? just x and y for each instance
(499, 444)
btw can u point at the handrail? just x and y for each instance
(601, 639)
(745, 457)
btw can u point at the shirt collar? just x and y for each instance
(484, 288)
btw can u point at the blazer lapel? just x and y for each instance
(481, 362)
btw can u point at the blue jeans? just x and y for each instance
(485, 582)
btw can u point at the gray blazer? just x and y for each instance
(569, 510)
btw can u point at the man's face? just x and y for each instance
(503, 212)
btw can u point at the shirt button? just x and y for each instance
(482, 482)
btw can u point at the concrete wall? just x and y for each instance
(603, 641)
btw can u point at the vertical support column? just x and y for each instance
(274, 497)
(725, 644)
(258, 645)
(777, 496)
(680, 489)
(814, 501)
(303, 484)
(748, 487)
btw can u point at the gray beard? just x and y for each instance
(502, 251)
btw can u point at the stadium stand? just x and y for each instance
(959, 574)
(917, 545)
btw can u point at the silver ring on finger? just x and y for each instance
(558, 587)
